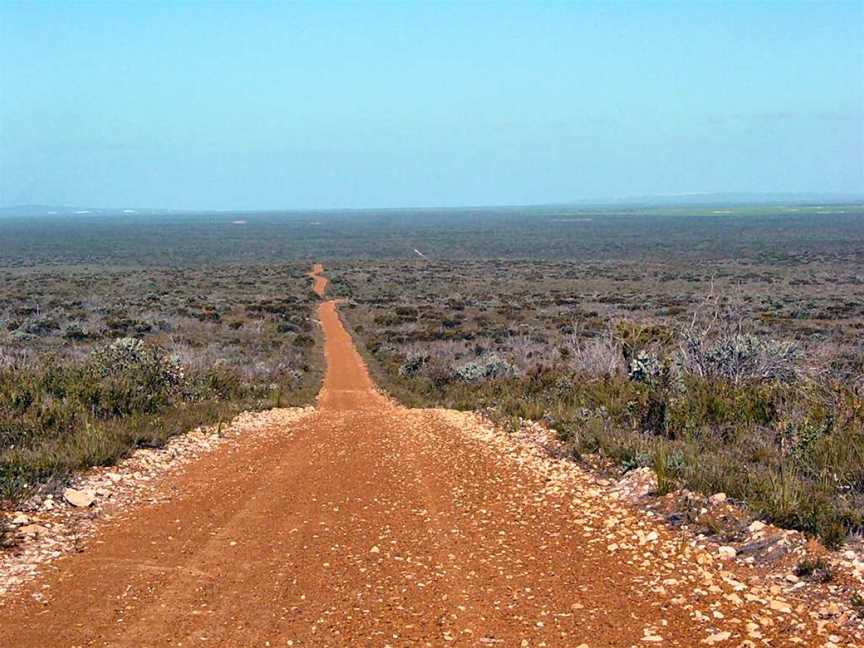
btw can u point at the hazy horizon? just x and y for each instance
(600, 202)
(264, 106)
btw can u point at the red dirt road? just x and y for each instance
(367, 524)
(319, 281)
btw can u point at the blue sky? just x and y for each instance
(276, 105)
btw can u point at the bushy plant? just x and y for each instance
(134, 377)
(738, 357)
(412, 364)
(597, 357)
(634, 338)
(132, 357)
(645, 368)
(75, 332)
(492, 366)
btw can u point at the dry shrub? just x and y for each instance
(598, 356)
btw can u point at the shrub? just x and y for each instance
(412, 364)
(600, 356)
(492, 366)
(75, 332)
(644, 368)
(739, 357)
(304, 341)
(663, 466)
(133, 377)
(635, 338)
(131, 357)
(816, 569)
(439, 374)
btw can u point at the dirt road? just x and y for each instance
(366, 524)
(319, 281)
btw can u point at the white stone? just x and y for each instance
(756, 526)
(780, 606)
(33, 529)
(79, 498)
(727, 552)
(20, 519)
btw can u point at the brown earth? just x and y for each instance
(319, 281)
(367, 524)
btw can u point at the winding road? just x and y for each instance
(368, 524)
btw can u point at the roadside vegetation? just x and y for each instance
(737, 376)
(94, 363)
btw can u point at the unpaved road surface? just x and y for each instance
(367, 524)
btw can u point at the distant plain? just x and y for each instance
(773, 233)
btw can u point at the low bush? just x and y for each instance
(740, 357)
(490, 367)
(412, 364)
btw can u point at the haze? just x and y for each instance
(269, 105)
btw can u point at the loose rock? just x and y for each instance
(79, 498)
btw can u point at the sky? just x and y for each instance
(256, 105)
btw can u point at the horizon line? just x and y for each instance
(672, 198)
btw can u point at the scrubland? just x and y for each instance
(743, 375)
(95, 361)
